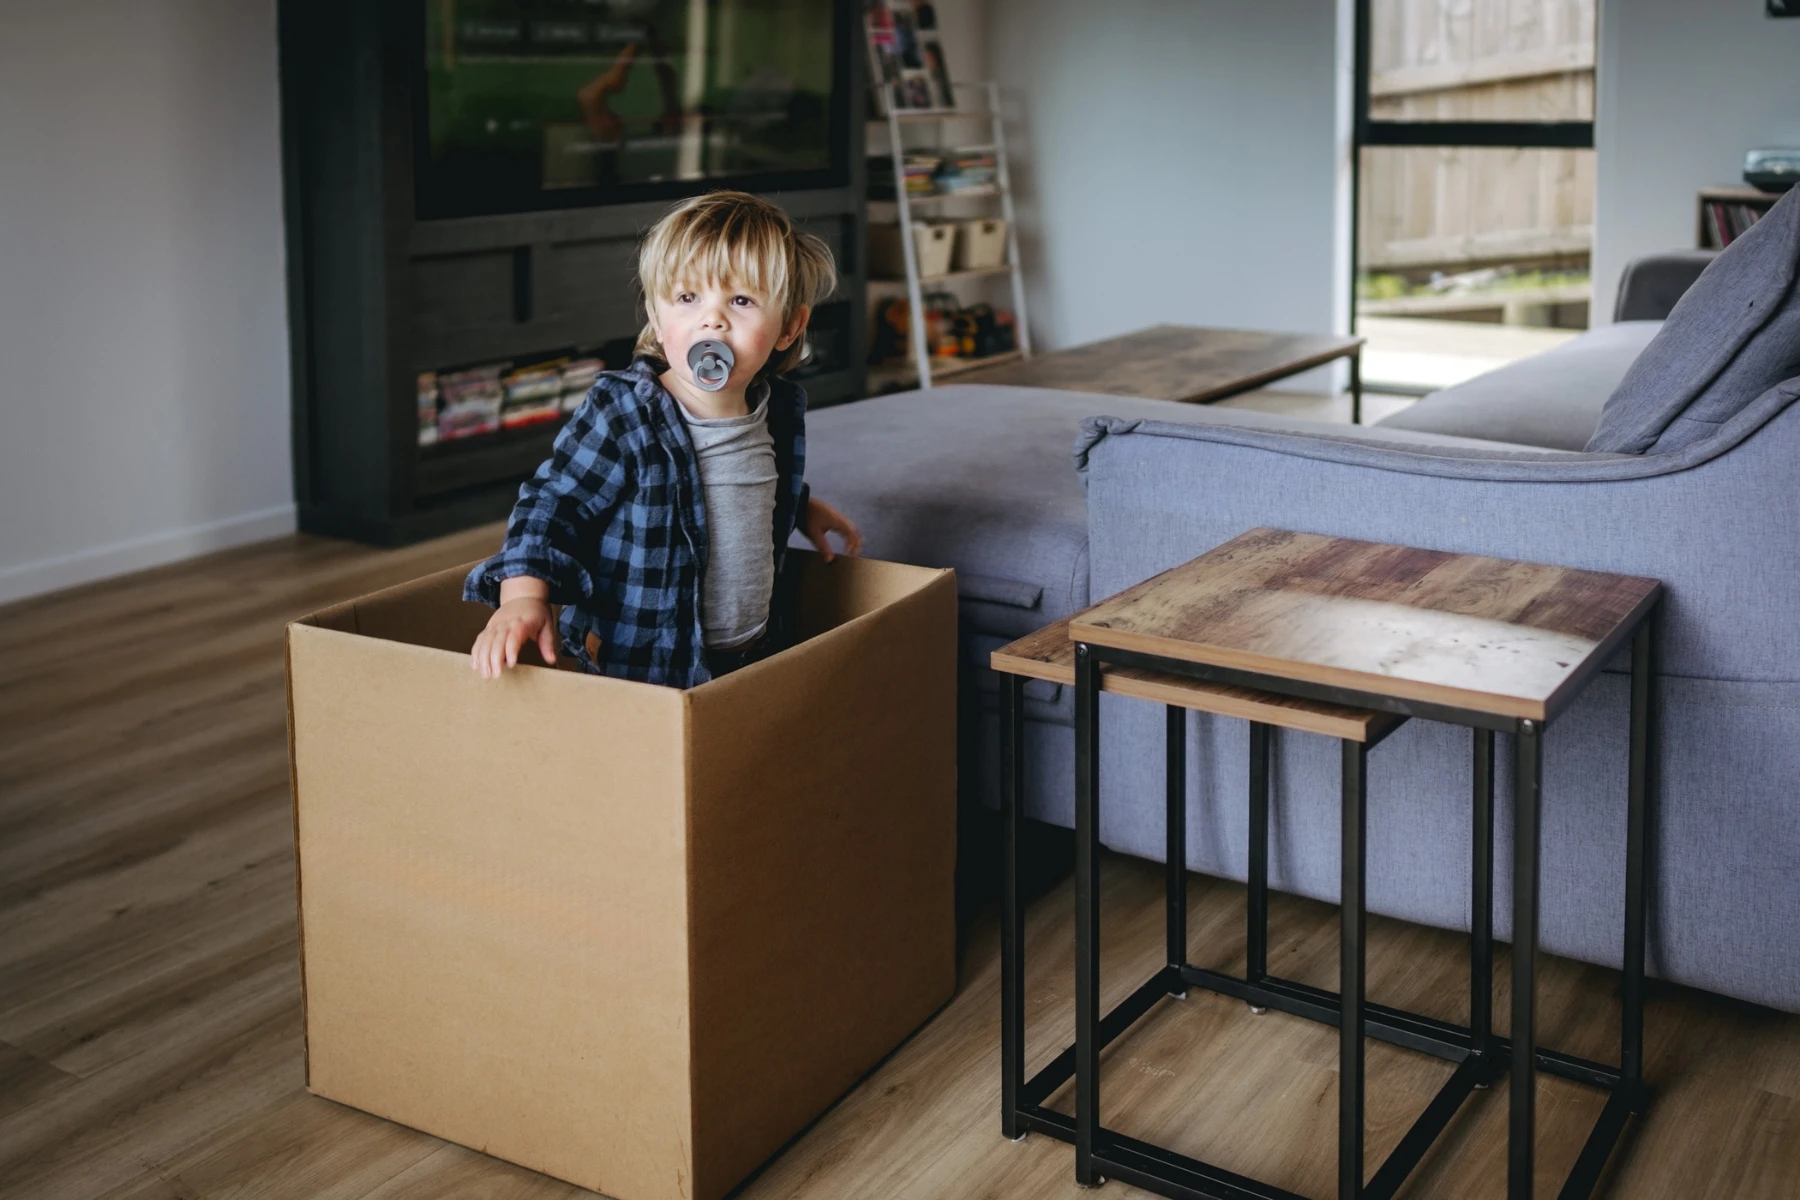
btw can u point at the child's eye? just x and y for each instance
(744, 301)
(684, 297)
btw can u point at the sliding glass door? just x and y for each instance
(1474, 130)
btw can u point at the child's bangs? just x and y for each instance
(733, 253)
(735, 242)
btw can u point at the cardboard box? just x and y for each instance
(631, 936)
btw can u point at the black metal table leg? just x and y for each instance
(1631, 1024)
(1527, 809)
(1481, 899)
(1175, 858)
(1012, 906)
(1356, 387)
(1353, 928)
(1087, 915)
(1256, 932)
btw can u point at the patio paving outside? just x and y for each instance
(1417, 355)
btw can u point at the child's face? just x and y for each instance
(742, 318)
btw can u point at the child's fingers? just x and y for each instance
(547, 641)
(515, 637)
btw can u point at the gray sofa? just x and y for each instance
(1554, 400)
(1664, 450)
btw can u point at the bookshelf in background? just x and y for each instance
(1724, 213)
(921, 329)
(923, 264)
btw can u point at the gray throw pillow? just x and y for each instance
(1733, 336)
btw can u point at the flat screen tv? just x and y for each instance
(535, 104)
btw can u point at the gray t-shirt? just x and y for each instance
(737, 489)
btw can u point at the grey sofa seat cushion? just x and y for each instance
(1551, 400)
(1733, 335)
(972, 477)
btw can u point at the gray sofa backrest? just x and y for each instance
(1653, 285)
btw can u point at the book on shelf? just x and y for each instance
(967, 172)
(488, 397)
(919, 170)
(926, 174)
(1726, 223)
(1727, 213)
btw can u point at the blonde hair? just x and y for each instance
(734, 237)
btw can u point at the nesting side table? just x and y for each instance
(1294, 630)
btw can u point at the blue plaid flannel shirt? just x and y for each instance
(613, 522)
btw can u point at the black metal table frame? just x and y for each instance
(1482, 1055)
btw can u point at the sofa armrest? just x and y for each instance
(1652, 284)
(1707, 525)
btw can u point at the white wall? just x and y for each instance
(1684, 88)
(143, 335)
(1178, 161)
(962, 24)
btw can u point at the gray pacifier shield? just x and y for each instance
(710, 364)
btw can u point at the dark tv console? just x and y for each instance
(377, 295)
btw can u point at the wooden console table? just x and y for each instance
(1185, 363)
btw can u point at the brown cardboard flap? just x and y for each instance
(341, 617)
(428, 611)
(831, 593)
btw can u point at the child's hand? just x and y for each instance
(823, 520)
(518, 620)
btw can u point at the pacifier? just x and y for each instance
(710, 364)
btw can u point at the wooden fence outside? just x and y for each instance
(1453, 208)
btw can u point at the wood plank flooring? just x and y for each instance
(150, 1010)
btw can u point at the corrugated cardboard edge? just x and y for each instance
(313, 620)
(294, 813)
(691, 1183)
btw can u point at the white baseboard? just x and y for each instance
(137, 554)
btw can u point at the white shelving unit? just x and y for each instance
(925, 364)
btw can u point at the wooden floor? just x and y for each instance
(150, 1009)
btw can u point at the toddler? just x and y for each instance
(661, 518)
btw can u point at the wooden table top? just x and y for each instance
(1505, 638)
(1049, 655)
(1172, 362)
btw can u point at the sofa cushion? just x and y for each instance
(1551, 400)
(975, 477)
(1731, 337)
